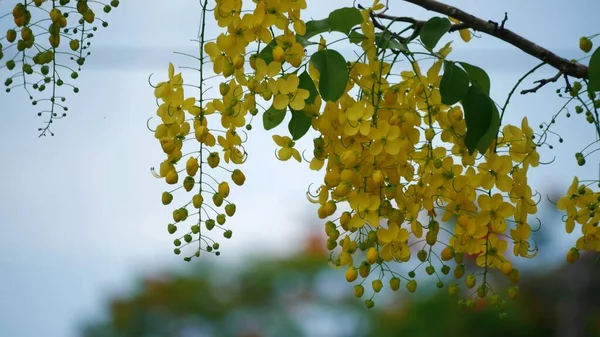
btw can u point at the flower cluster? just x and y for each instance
(69, 25)
(397, 171)
(581, 205)
(178, 115)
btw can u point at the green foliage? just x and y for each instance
(433, 30)
(385, 40)
(478, 116)
(307, 83)
(492, 131)
(299, 124)
(478, 77)
(594, 72)
(333, 73)
(273, 117)
(481, 115)
(266, 291)
(454, 84)
(340, 20)
(343, 19)
(301, 120)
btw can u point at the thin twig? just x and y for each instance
(417, 23)
(542, 83)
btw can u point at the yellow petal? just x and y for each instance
(171, 70)
(296, 155)
(316, 164)
(284, 153)
(281, 101)
(465, 35)
(505, 210)
(279, 140)
(297, 103)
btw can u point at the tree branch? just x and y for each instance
(565, 66)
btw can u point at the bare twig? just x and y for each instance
(542, 83)
(417, 23)
(565, 66)
(504, 20)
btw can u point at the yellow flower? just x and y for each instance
(394, 240)
(288, 93)
(366, 207)
(492, 252)
(202, 133)
(163, 90)
(358, 119)
(217, 56)
(299, 25)
(590, 239)
(173, 112)
(494, 211)
(230, 144)
(226, 11)
(232, 109)
(274, 13)
(377, 5)
(494, 171)
(568, 203)
(520, 234)
(468, 236)
(287, 150)
(385, 138)
(255, 25)
(465, 35)
(239, 35)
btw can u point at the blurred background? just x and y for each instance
(84, 249)
(300, 296)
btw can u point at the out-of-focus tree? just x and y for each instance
(267, 298)
(299, 296)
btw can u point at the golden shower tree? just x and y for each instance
(417, 163)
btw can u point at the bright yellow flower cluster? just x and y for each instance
(581, 205)
(176, 112)
(377, 162)
(182, 117)
(393, 155)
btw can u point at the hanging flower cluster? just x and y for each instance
(66, 28)
(403, 164)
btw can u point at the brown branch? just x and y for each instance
(565, 66)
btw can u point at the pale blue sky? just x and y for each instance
(80, 213)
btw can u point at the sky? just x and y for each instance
(80, 213)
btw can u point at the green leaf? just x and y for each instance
(273, 117)
(306, 82)
(343, 19)
(313, 27)
(478, 116)
(478, 77)
(299, 124)
(492, 133)
(385, 40)
(267, 52)
(594, 71)
(433, 30)
(454, 84)
(356, 37)
(333, 73)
